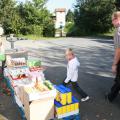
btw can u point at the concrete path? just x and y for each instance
(95, 77)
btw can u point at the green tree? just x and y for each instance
(37, 18)
(93, 16)
(30, 17)
(117, 4)
(39, 3)
(7, 12)
(70, 16)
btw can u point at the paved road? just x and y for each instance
(95, 75)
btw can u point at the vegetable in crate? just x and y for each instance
(33, 63)
(40, 86)
(48, 84)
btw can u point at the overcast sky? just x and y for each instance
(52, 4)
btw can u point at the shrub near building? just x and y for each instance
(26, 18)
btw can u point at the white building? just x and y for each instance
(60, 20)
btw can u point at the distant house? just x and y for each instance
(59, 18)
(60, 14)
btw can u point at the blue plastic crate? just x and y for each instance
(75, 100)
(65, 88)
(73, 117)
(60, 89)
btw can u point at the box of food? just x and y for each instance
(39, 101)
(64, 95)
(18, 58)
(41, 109)
(66, 110)
(18, 73)
(40, 90)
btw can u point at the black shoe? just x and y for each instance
(65, 84)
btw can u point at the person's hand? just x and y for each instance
(114, 68)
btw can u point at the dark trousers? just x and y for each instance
(77, 88)
(3, 65)
(116, 87)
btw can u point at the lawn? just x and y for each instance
(35, 37)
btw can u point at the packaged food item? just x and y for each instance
(63, 111)
(15, 62)
(64, 95)
(66, 105)
(18, 73)
(36, 74)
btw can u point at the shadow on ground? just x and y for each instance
(95, 75)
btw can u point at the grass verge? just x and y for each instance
(35, 37)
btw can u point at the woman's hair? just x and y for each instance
(116, 14)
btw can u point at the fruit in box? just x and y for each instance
(42, 87)
(38, 87)
(48, 84)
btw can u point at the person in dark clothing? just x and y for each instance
(116, 87)
(116, 63)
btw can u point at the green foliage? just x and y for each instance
(117, 4)
(28, 18)
(93, 16)
(68, 27)
(7, 13)
(70, 16)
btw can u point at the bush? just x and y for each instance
(68, 27)
(49, 30)
(72, 30)
(33, 29)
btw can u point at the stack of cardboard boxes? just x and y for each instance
(65, 104)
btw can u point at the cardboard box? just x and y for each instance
(17, 54)
(42, 109)
(40, 106)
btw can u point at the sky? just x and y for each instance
(53, 4)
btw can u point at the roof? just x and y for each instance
(60, 10)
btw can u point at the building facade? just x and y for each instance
(60, 21)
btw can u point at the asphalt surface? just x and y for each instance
(95, 77)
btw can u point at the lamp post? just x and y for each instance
(12, 39)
